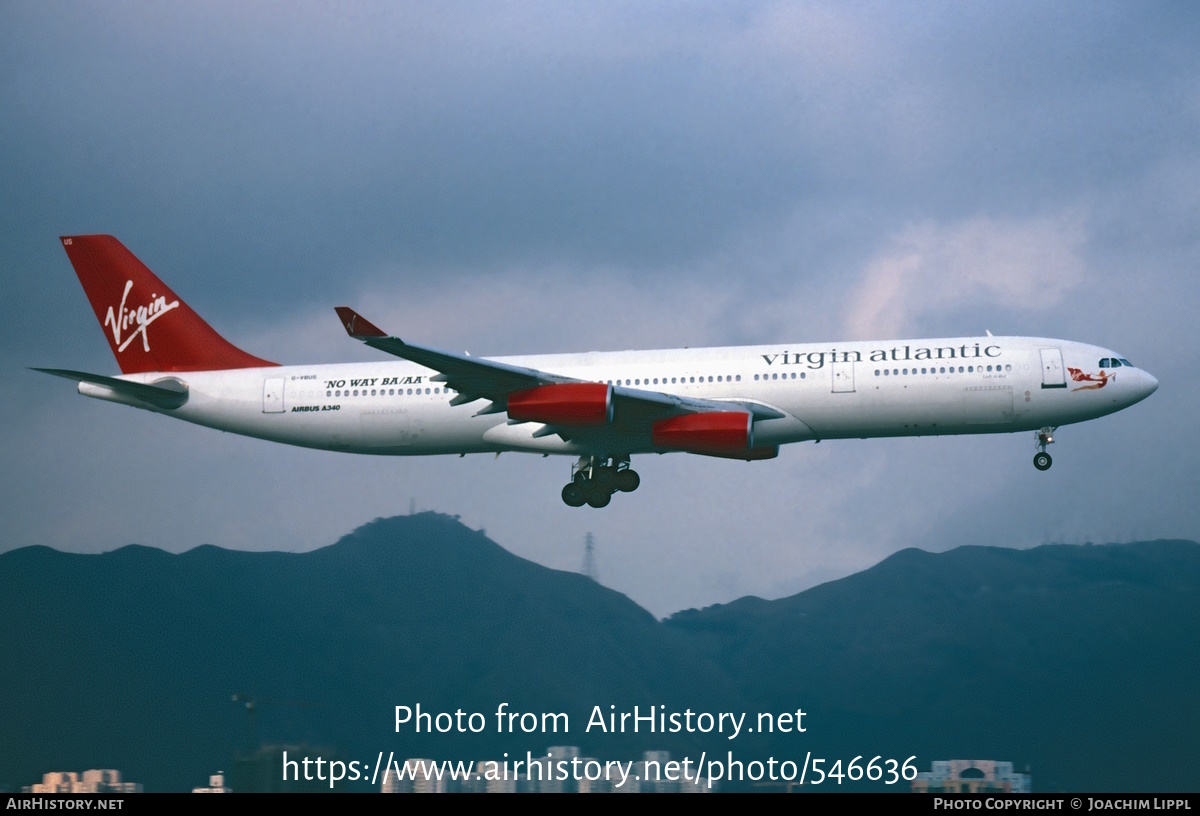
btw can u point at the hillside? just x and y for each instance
(1078, 661)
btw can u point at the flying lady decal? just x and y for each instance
(1093, 381)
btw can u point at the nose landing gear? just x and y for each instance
(595, 479)
(1042, 460)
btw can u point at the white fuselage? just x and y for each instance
(826, 391)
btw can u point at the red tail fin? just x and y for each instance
(147, 325)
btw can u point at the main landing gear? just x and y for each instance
(594, 480)
(1042, 460)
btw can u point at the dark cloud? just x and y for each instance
(517, 178)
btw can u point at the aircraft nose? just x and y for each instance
(1147, 386)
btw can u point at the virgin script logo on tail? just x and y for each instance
(141, 317)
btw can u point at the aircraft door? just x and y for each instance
(1053, 375)
(843, 377)
(273, 395)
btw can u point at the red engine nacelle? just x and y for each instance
(574, 404)
(720, 433)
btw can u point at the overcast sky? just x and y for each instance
(523, 178)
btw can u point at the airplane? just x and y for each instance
(740, 402)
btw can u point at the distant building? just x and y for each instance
(394, 784)
(501, 786)
(545, 773)
(422, 781)
(656, 771)
(972, 776)
(599, 785)
(283, 769)
(476, 783)
(551, 777)
(216, 784)
(99, 781)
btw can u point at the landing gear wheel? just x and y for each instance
(595, 478)
(604, 478)
(599, 498)
(1042, 460)
(572, 495)
(628, 481)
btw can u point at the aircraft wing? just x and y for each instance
(475, 378)
(472, 378)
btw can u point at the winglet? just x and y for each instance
(356, 325)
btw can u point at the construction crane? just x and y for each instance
(251, 704)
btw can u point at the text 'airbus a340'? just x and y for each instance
(603, 407)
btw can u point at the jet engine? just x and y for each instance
(572, 404)
(719, 433)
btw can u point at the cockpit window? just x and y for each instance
(1126, 362)
(1105, 363)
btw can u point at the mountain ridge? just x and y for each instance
(129, 658)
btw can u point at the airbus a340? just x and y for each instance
(738, 402)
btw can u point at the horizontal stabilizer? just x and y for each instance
(166, 393)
